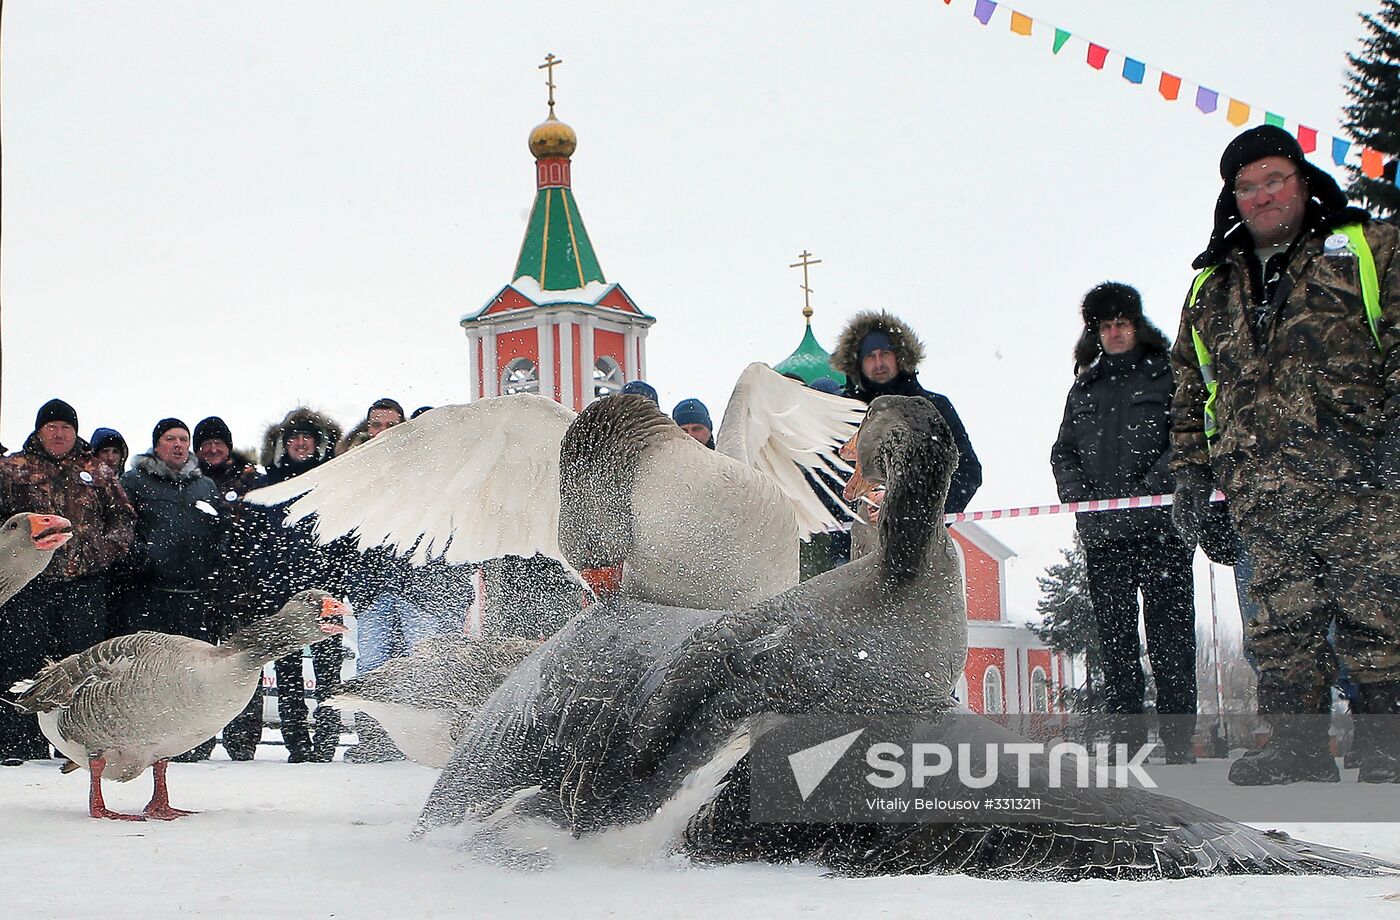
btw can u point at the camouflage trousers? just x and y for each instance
(1321, 555)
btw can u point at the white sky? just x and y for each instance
(227, 208)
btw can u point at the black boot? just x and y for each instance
(375, 745)
(327, 734)
(1378, 734)
(1178, 738)
(298, 742)
(194, 755)
(1297, 752)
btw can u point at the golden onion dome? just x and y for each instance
(552, 138)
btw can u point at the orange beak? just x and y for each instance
(49, 531)
(332, 617)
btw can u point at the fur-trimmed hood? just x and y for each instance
(152, 465)
(908, 350)
(274, 446)
(1088, 349)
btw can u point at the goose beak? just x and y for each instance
(332, 617)
(49, 531)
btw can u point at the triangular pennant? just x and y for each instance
(1206, 99)
(1169, 86)
(1061, 36)
(984, 10)
(1020, 23)
(1096, 56)
(1133, 71)
(1339, 150)
(1372, 166)
(1237, 114)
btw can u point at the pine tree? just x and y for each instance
(1373, 118)
(1069, 625)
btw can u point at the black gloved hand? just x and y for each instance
(1194, 486)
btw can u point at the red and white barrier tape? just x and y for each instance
(1098, 504)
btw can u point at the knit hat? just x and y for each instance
(164, 425)
(875, 340)
(212, 429)
(56, 410)
(107, 437)
(826, 385)
(1111, 300)
(641, 388)
(386, 403)
(692, 412)
(1326, 206)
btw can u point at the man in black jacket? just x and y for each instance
(1114, 442)
(880, 355)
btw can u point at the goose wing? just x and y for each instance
(783, 429)
(475, 482)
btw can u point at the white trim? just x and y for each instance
(544, 348)
(642, 349)
(978, 536)
(1045, 680)
(631, 357)
(473, 365)
(585, 358)
(989, 671)
(492, 379)
(566, 360)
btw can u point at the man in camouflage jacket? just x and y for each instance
(1306, 442)
(64, 610)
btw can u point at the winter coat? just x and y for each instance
(181, 537)
(237, 475)
(1311, 397)
(1114, 439)
(273, 561)
(81, 489)
(909, 351)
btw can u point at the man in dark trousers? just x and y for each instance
(1287, 363)
(1115, 442)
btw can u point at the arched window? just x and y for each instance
(607, 377)
(520, 376)
(991, 690)
(1040, 690)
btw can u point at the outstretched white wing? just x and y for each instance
(477, 481)
(780, 428)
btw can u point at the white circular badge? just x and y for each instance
(85, 476)
(1334, 242)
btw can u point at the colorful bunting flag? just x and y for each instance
(1371, 164)
(1238, 113)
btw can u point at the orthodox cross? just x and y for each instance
(550, 62)
(807, 261)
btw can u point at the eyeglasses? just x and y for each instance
(1272, 186)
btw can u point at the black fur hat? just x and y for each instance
(1111, 300)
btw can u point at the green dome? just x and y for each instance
(810, 361)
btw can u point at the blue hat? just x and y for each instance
(692, 412)
(104, 437)
(875, 340)
(641, 388)
(826, 385)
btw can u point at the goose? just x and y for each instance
(135, 701)
(602, 749)
(27, 543)
(423, 700)
(618, 491)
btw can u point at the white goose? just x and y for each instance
(645, 509)
(134, 701)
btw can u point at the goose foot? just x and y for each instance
(96, 807)
(159, 808)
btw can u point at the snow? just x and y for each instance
(331, 840)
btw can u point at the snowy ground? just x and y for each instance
(329, 840)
